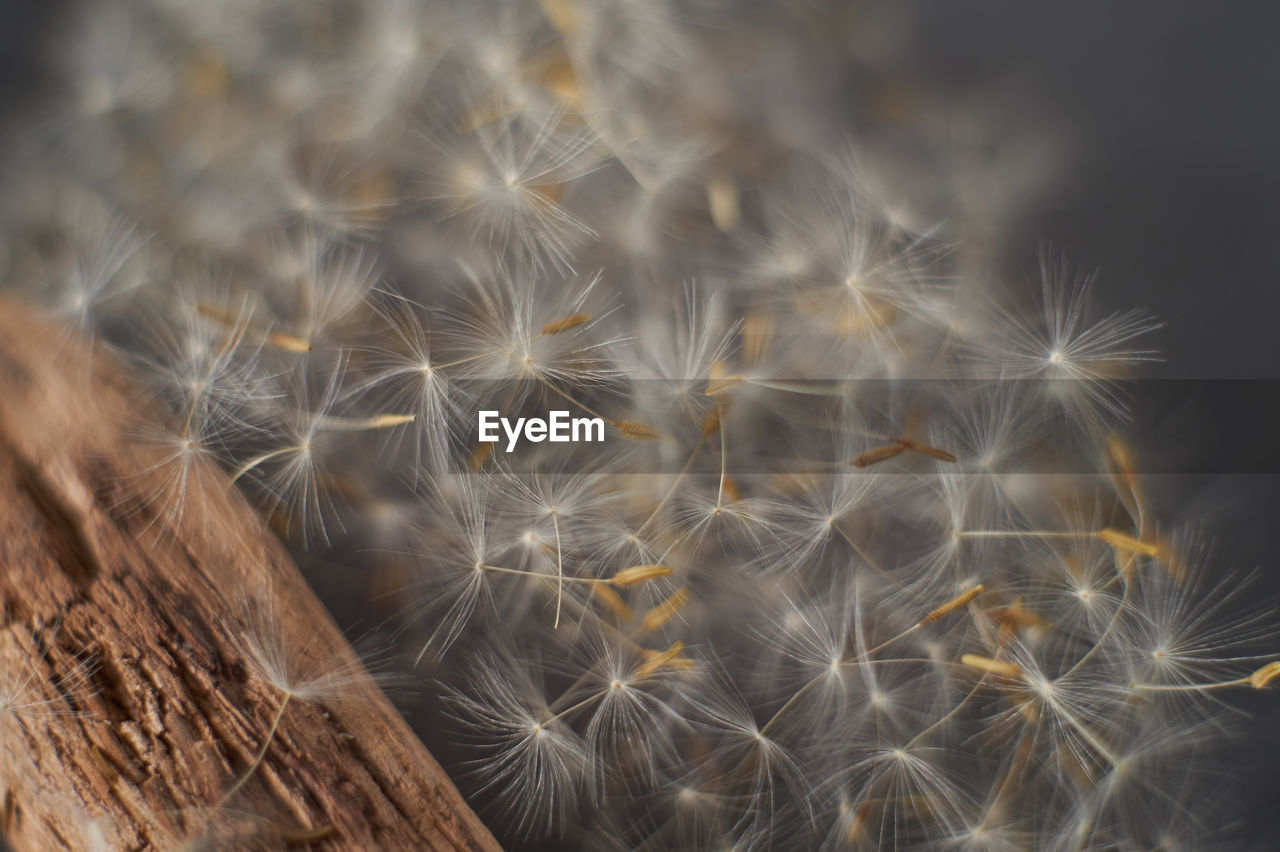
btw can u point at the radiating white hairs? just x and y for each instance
(862, 561)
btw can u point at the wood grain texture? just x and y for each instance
(131, 704)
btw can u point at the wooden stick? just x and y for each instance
(129, 709)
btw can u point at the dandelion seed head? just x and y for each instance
(826, 583)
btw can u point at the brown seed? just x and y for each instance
(655, 660)
(1018, 615)
(757, 331)
(924, 449)
(1126, 542)
(717, 386)
(565, 323)
(215, 313)
(563, 15)
(953, 604)
(288, 342)
(730, 490)
(1121, 460)
(637, 431)
(1003, 668)
(665, 611)
(722, 199)
(614, 603)
(711, 423)
(1264, 675)
(479, 456)
(857, 823)
(877, 455)
(637, 574)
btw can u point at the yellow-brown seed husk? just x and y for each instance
(757, 331)
(715, 387)
(288, 342)
(1126, 542)
(877, 455)
(1264, 675)
(479, 456)
(953, 604)
(1003, 668)
(565, 323)
(637, 431)
(924, 449)
(722, 200)
(637, 574)
(663, 612)
(655, 660)
(614, 603)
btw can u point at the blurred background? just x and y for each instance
(1142, 138)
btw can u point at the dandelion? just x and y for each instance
(767, 777)
(321, 193)
(408, 376)
(855, 566)
(205, 358)
(25, 690)
(322, 285)
(183, 469)
(296, 667)
(1177, 634)
(294, 472)
(1079, 362)
(503, 181)
(101, 269)
(503, 340)
(536, 758)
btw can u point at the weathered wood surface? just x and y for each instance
(129, 708)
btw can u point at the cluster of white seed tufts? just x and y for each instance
(862, 562)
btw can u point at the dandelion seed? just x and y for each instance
(181, 473)
(954, 604)
(718, 386)
(839, 677)
(712, 423)
(1263, 676)
(723, 202)
(1081, 363)
(757, 334)
(637, 431)
(637, 574)
(29, 694)
(659, 615)
(288, 342)
(102, 267)
(1003, 668)
(924, 449)
(501, 179)
(878, 455)
(297, 667)
(535, 763)
(1016, 614)
(672, 657)
(294, 472)
(1126, 542)
(237, 323)
(614, 603)
(479, 456)
(331, 423)
(565, 323)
